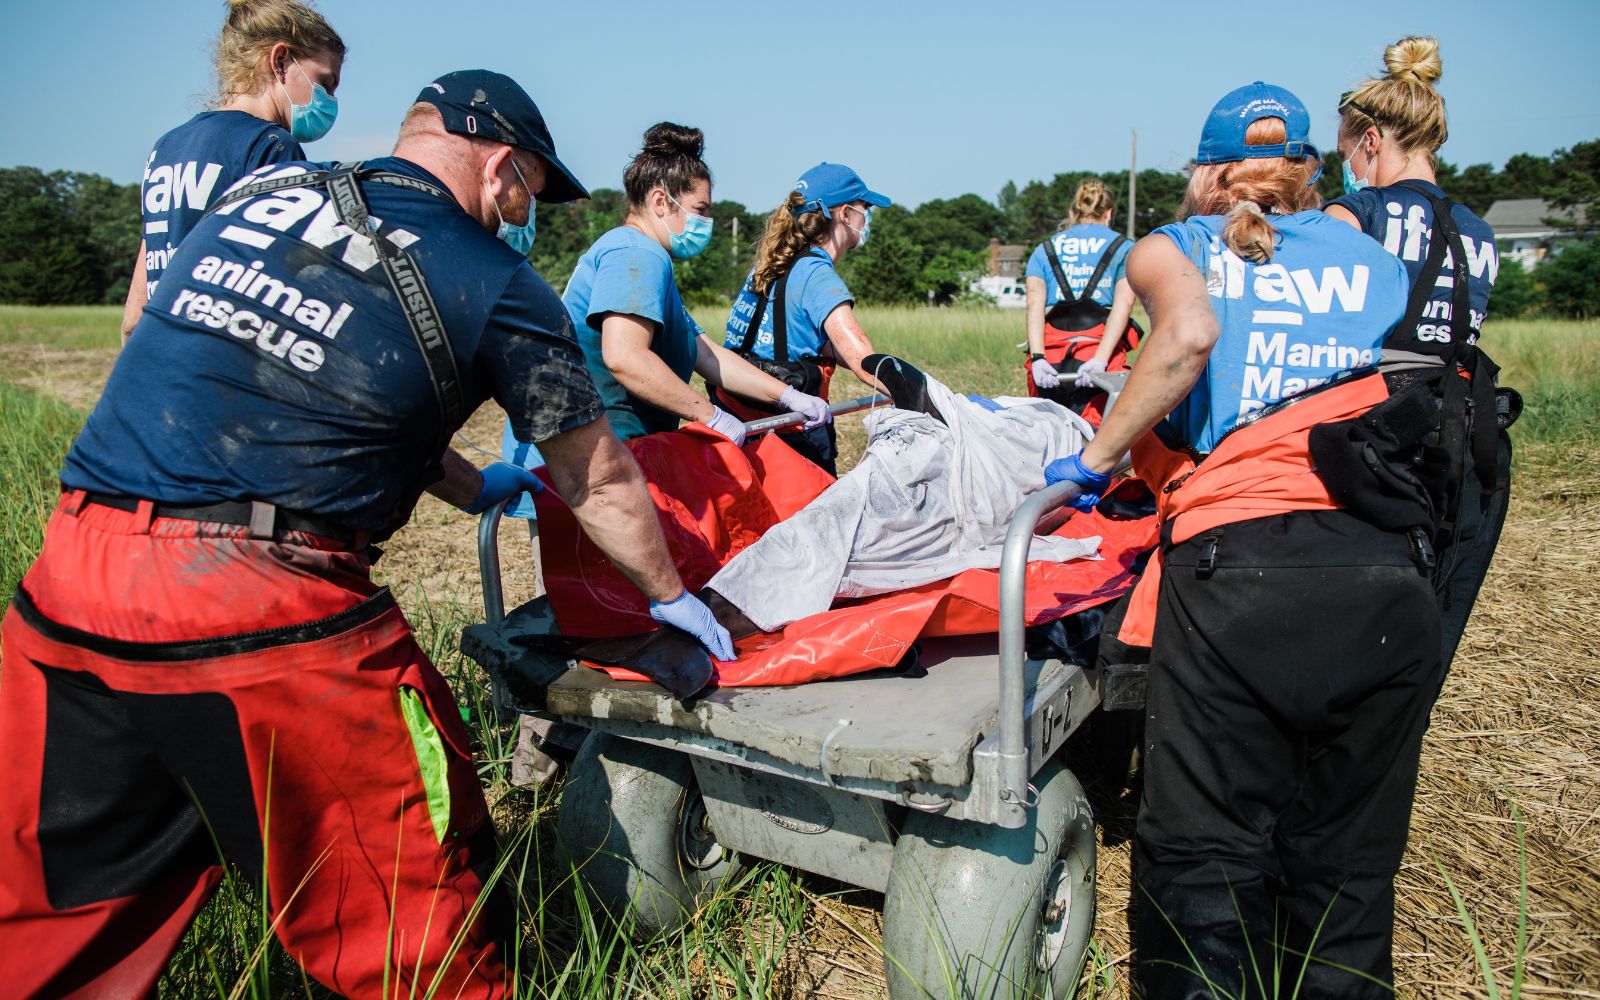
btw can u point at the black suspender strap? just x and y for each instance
(1094, 279)
(411, 291)
(780, 318)
(1100, 268)
(405, 277)
(1481, 370)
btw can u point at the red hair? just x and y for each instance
(1245, 190)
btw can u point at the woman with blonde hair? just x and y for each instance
(1294, 644)
(1390, 129)
(794, 317)
(278, 64)
(1079, 302)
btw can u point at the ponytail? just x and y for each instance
(791, 231)
(1246, 190)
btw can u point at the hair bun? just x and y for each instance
(1414, 60)
(671, 139)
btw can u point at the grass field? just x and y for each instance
(1512, 758)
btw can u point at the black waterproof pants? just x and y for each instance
(1464, 560)
(1295, 661)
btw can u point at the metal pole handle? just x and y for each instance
(494, 598)
(765, 424)
(1013, 618)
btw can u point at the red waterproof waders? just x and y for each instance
(173, 688)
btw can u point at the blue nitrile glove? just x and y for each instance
(696, 619)
(985, 402)
(1072, 470)
(813, 408)
(502, 481)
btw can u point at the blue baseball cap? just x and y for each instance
(828, 185)
(1222, 138)
(493, 106)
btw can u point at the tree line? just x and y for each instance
(70, 238)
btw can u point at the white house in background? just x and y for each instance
(1003, 283)
(1528, 230)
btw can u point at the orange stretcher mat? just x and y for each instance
(713, 499)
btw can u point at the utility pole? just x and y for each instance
(1133, 181)
(736, 242)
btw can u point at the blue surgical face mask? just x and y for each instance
(865, 230)
(696, 235)
(310, 122)
(1352, 183)
(519, 238)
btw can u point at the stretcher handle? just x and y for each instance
(765, 424)
(1013, 617)
(494, 597)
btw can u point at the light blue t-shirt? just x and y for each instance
(1323, 306)
(815, 290)
(628, 272)
(1079, 249)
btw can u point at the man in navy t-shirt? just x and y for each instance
(200, 643)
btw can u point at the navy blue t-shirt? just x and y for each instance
(1402, 220)
(275, 363)
(192, 165)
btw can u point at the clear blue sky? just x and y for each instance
(926, 100)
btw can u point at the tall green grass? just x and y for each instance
(35, 433)
(72, 328)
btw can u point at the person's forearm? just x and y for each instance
(722, 367)
(1035, 321)
(138, 295)
(462, 482)
(848, 344)
(599, 480)
(1172, 361)
(647, 377)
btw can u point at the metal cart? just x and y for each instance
(945, 792)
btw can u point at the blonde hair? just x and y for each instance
(253, 27)
(790, 232)
(1244, 191)
(1402, 105)
(1090, 201)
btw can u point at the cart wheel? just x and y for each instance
(634, 827)
(979, 911)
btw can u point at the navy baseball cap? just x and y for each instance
(829, 184)
(493, 106)
(1222, 138)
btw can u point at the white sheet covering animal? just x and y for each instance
(927, 501)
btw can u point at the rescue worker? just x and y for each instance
(278, 64)
(1295, 646)
(639, 341)
(200, 643)
(1079, 303)
(1390, 129)
(807, 321)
